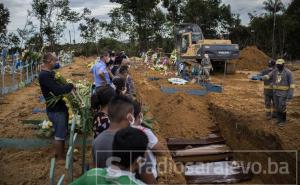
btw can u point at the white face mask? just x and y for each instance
(131, 120)
(206, 55)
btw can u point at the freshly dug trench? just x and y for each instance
(257, 147)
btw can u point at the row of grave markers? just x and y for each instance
(24, 74)
(31, 71)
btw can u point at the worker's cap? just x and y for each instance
(280, 61)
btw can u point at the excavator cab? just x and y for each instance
(186, 42)
(192, 46)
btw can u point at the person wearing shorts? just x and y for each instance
(58, 113)
(60, 124)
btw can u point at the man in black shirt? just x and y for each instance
(57, 114)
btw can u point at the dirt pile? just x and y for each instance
(251, 58)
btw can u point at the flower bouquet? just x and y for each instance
(77, 102)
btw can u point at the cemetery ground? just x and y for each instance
(238, 112)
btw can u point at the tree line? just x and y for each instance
(137, 25)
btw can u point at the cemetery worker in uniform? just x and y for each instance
(148, 56)
(268, 90)
(57, 114)
(283, 89)
(173, 56)
(100, 72)
(206, 65)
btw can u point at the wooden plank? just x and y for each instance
(2, 102)
(32, 121)
(217, 172)
(52, 171)
(181, 143)
(203, 150)
(218, 179)
(214, 129)
(204, 158)
(78, 74)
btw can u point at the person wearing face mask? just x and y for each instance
(57, 114)
(120, 85)
(124, 73)
(154, 146)
(112, 57)
(100, 102)
(100, 72)
(206, 66)
(268, 91)
(129, 147)
(109, 65)
(116, 65)
(121, 115)
(283, 89)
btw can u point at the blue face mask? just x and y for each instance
(56, 66)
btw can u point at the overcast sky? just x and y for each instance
(100, 8)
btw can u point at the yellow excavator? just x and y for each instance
(191, 47)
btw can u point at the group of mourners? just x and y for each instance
(124, 150)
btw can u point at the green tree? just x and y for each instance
(90, 31)
(292, 25)
(138, 16)
(14, 39)
(39, 10)
(53, 16)
(173, 7)
(121, 23)
(258, 25)
(27, 31)
(4, 20)
(173, 16)
(211, 15)
(241, 34)
(34, 42)
(273, 6)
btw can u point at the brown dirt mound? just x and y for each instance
(251, 58)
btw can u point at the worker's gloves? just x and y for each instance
(256, 77)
